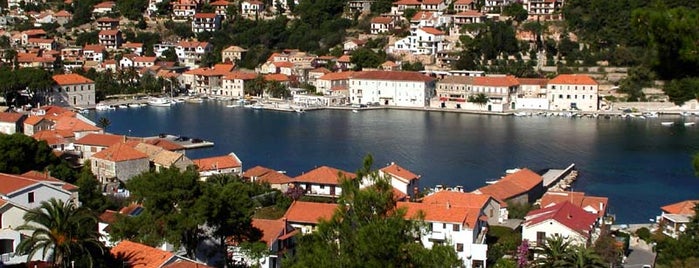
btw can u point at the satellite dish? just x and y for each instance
(682, 228)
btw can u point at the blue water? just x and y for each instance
(639, 164)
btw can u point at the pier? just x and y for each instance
(560, 179)
(186, 142)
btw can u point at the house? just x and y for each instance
(185, 8)
(251, 8)
(34, 124)
(276, 180)
(221, 7)
(279, 237)
(144, 62)
(521, 187)
(11, 123)
(323, 181)
(63, 17)
(32, 33)
(103, 8)
(135, 48)
(674, 218)
(110, 39)
(107, 23)
(573, 92)
(353, 45)
(382, 25)
(11, 216)
(118, 162)
(593, 204)
(433, 5)
(532, 94)
(495, 211)
(233, 84)
(543, 10)
(464, 5)
(500, 91)
(77, 125)
(189, 53)
(232, 54)
(422, 41)
(46, 178)
(73, 90)
(402, 179)
(305, 216)
(359, 6)
(138, 255)
(206, 22)
(94, 52)
(225, 165)
(280, 78)
(398, 7)
(569, 221)
(495, 6)
(59, 140)
(207, 80)
(464, 18)
(453, 91)
(316, 73)
(389, 66)
(42, 43)
(28, 192)
(344, 63)
(334, 83)
(391, 88)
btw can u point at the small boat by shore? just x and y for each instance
(134, 105)
(667, 123)
(103, 107)
(123, 106)
(689, 124)
(194, 100)
(159, 102)
(355, 111)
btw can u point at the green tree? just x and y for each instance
(20, 153)
(381, 6)
(103, 123)
(367, 226)
(583, 257)
(132, 9)
(553, 252)
(516, 11)
(366, 58)
(255, 87)
(63, 229)
(480, 99)
(89, 192)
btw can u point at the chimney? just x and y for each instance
(448, 205)
(124, 138)
(284, 221)
(601, 206)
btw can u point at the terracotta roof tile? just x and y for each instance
(382, 20)
(309, 212)
(441, 213)
(205, 15)
(140, 255)
(33, 120)
(240, 75)
(392, 76)
(74, 124)
(566, 214)
(107, 4)
(400, 173)
(433, 31)
(10, 117)
(53, 137)
(573, 79)
(217, 162)
(11, 183)
(220, 3)
(533, 81)
(470, 13)
(588, 203)
(337, 76)
(119, 152)
(496, 81)
(71, 79)
(109, 32)
(104, 140)
(276, 77)
(324, 175)
(457, 199)
(512, 185)
(108, 216)
(271, 229)
(683, 208)
(457, 79)
(165, 144)
(182, 263)
(268, 175)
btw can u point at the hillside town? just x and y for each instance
(61, 57)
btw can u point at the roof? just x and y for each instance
(684, 207)
(573, 79)
(392, 75)
(240, 75)
(463, 2)
(119, 152)
(382, 20)
(71, 79)
(533, 81)
(337, 76)
(496, 81)
(285, 64)
(220, 3)
(457, 199)
(141, 256)
(407, 2)
(566, 214)
(107, 4)
(104, 140)
(276, 77)
(46, 177)
(166, 158)
(108, 216)
(96, 48)
(74, 124)
(309, 212)
(205, 15)
(431, 30)
(149, 150)
(469, 13)
(441, 213)
(53, 137)
(324, 175)
(457, 79)
(132, 45)
(592, 204)
(512, 185)
(109, 32)
(10, 117)
(271, 229)
(107, 19)
(182, 263)
(422, 15)
(11, 183)
(320, 70)
(165, 144)
(217, 162)
(234, 48)
(267, 175)
(192, 44)
(400, 173)
(34, 32)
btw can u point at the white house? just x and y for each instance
(532, 94)
(92, 143)
(29, 191)
(227, 164)
(73, 90)
(500, 91)
(564, 219)
(206, 22)
(305, 216)
(422, 41)
(94, 52)
(573, 92)
(251, 8)
(233, 84)
(381, 25)
(279, 237)
(11, 123)
(402, 179)
(391, 88)
(190, 53)
(674, 218)
(110, 39)
(322, 181)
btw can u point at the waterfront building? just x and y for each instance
(323, 181)
(207, 80)
(403, 180)
(11, 123)
(592, 204)
(276, 179)
(391, 88)
(521, 187)
(452, 91)
(305, 216)
(335, 84)
(498, 89)
(279, 237)
(532, 94)
(73, 90)
(574, 224)
(233, 84)
(232, 54)
(569, 92)
(674, 218)
(315, 74)
(206, 22)
(120, 162)
(226, 164)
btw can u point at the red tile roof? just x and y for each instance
(45, 177)
(165, 144)
(32, 32)
(33, 120)
(109, 32)
(320, 70)
(11, 183)
(566, 214)
(74, 124)
(217, 162)
(441, 213)
(309, 212)
(240, 75)
(324, 175)
(400, 173)
(420, 15)
(10, 117)
(267, 175)
(220, 3)
(71, 79)
(469, 13)
(285, 64)
(579, 199)
(433, 31)
(104, 140)
(337, 76)
(463, 2)
(512, 185)
(107, 19)
(181, 263)
(382, 20)
(276, 77)
(205, 15)
(192, 44)
(683, 208)
(496, 81)
(108, 216)
(271, 229)
(141, 256)
(119, 152)
(95, 48)
(392, 75)
(533, 81)
(573, 79)
(107, 4)
(53, 137)
(457, 199)
(407, 2)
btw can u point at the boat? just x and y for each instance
(667, 123)
(134, 105)
(257, 106)
(520, 114)
(650, 114)
(689, 124)
(355, 111)
(299, 110)
(194, 100)
(122, 106)
(159, 102)
(103, 107)
(232, 105)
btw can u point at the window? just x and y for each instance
(459, 247)
(455, 228)
(444, 226)
(540, 238)
(30, 197)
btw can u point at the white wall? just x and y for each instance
(551, 228)
(563, 96)
(391, 93)
(41, 193)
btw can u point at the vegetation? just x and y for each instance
(20, 153)
(557, 252)
(501, 241)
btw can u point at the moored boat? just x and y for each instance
(159, 102)
(667, 123)
(103, 107)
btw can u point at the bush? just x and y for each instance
(643, 233)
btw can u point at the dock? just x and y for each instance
(560, 178)
(186, 142)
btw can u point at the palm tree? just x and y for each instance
(583, 257)
(552, 253)
(60, 231)
(103, 123)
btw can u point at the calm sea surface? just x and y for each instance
(639, 164)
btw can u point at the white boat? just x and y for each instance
(520, 114)
(232, 105)
(299, 110)
(650, 114)
(689, 124)
(667, 124)
(355, 111)
(179, 100)
(257, 106)
(195, 100)
(159, 102)
(103, 107)
(134, 105)
(122, 106)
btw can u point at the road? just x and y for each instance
(640, 254)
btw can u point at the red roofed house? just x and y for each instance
(227, 164)
(532, 94)
(500, 90)
(11, 123)
(279, 237)
(674, 217)
(422, 41)
(34, 124)
(118, 162)
(76, 125)
(73, 90)
(464, 5)
(11, 216)
(251, 8)
(138, 255)
(323, 181)
(93, 143)
(190, 53)
(573, 92)
(206, 22)
(59, 140)
(332, 82)
(402, 179)
(305, 216)
(521, 187)
(32, 188)
(110, 39)
(593, 204)
(220, 7)
(233, 84)
(576, 225)
(107, 23)
(382, 25)
(103, 8)
(276, 179)
(391, 88)
(543, 9)
(232, 54)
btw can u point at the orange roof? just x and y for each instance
(141, 256)
(104, 140)
(683, 208)
(108, 216)
(309, 212)
(407, 2)
(400, 173)
(12, 183)
(573, 79)
(10, 117)
(192, 44)
(463, 2)
(217, 162)
(240, 75)
(44, 176)
(392, 75)
(271, 229)
(220, 3)
(533, 81)
(276, 77)
(107, 19)
(132, 45)
(337, 76)
(286, 64)
(53, 137)
(422, 15)
(31, 32)
(496, 81)
(119, 152)
(71, 79)
(165, 144)
(107, 4)
(442, 213)
(40, 40)
(74, 124)
(320, 70)
(566, 214)
(469, 13)
(432, 2)
(512, 185)
(267, 175)
(344, 58)
(579, 199)
(224, 67)
(144, 59)
(205, 15)
(382, 20)
(95, 48)
(109, 32)
(324, 175)
(182, 263)
(457, 199)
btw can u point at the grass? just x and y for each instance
(270, 213)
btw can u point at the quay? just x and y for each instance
(560, 179)
(186, 142)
